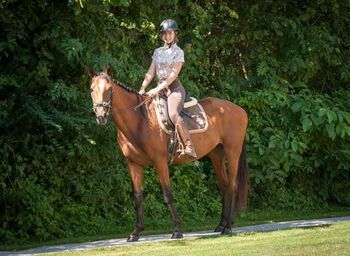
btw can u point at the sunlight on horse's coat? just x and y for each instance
(101, 85)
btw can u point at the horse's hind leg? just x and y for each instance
(217, 157)
(163, 174)
(232, 152)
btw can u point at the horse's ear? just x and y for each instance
(109, 70)
(91, 72)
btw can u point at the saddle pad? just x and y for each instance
(194, 116)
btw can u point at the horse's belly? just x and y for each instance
(204, 142)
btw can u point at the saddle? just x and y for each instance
(193, 115)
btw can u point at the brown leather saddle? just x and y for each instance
(193, 115)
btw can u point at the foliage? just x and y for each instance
(286, 63)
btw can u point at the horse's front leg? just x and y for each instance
(136, 172)
(163, 173)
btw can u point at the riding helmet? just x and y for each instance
(168, 24)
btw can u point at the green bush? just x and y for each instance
(285, 62)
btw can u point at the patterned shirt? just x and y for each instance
(165, 58)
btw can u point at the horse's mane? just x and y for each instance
(120, 84)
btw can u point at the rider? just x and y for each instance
(167, 62)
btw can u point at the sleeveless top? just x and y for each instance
(165, 58)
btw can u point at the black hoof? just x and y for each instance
(177, 235)
(133, 238)
(226, 231)
(219, 228)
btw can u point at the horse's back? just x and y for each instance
(218, 107)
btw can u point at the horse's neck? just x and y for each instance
(128, 122)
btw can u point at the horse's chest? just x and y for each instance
(131, 150)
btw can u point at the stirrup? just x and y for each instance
(190, 151)
(181, 150)
(181, 153)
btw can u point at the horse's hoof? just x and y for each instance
(177, 235)
(226, 231)
(133, 238)
(219, 228)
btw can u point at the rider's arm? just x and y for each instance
(173, 75)
(148, 78)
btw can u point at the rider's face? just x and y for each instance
(168, 36)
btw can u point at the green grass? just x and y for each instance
(244, 219)
(326, 240)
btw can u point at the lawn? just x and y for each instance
(244, 219)
(326, 240)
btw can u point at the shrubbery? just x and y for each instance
(286, 63)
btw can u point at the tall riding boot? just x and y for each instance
(182, 129)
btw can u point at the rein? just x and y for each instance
(133, 108)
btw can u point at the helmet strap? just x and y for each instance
(169, 45)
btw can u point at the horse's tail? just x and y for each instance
(242, 181)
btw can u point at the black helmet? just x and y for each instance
(168, 24)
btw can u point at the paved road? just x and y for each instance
(166, 237)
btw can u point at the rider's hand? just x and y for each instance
(152, 92)
(142, 91)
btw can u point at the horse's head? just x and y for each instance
(101, 93)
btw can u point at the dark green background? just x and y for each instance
(286, 63)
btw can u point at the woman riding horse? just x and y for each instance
(167, 62)
(144, 143)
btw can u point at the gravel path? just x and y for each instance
(166, 237)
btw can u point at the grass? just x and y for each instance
(326, 240)
(244, 219)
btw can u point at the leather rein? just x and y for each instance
(131, 109)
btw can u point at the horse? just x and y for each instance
(144, 143)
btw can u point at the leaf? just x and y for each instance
(294, 146)
(339, 130)
(286, 166)
(331, 131)
(262, 68)
(347, 116)
(271, 144)
(299, 84)
(306, 124)
(331, 116)
(316, 120)
(322, 112)
(297, 106)
(261, 151)
(280, 179)
(268, 129)
(259, 177)
(347, 130)
(287, 144)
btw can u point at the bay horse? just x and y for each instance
(143, 143)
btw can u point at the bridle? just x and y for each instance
(107, 105)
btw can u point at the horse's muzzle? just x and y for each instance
(101, 120)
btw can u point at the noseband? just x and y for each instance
(107, 105)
